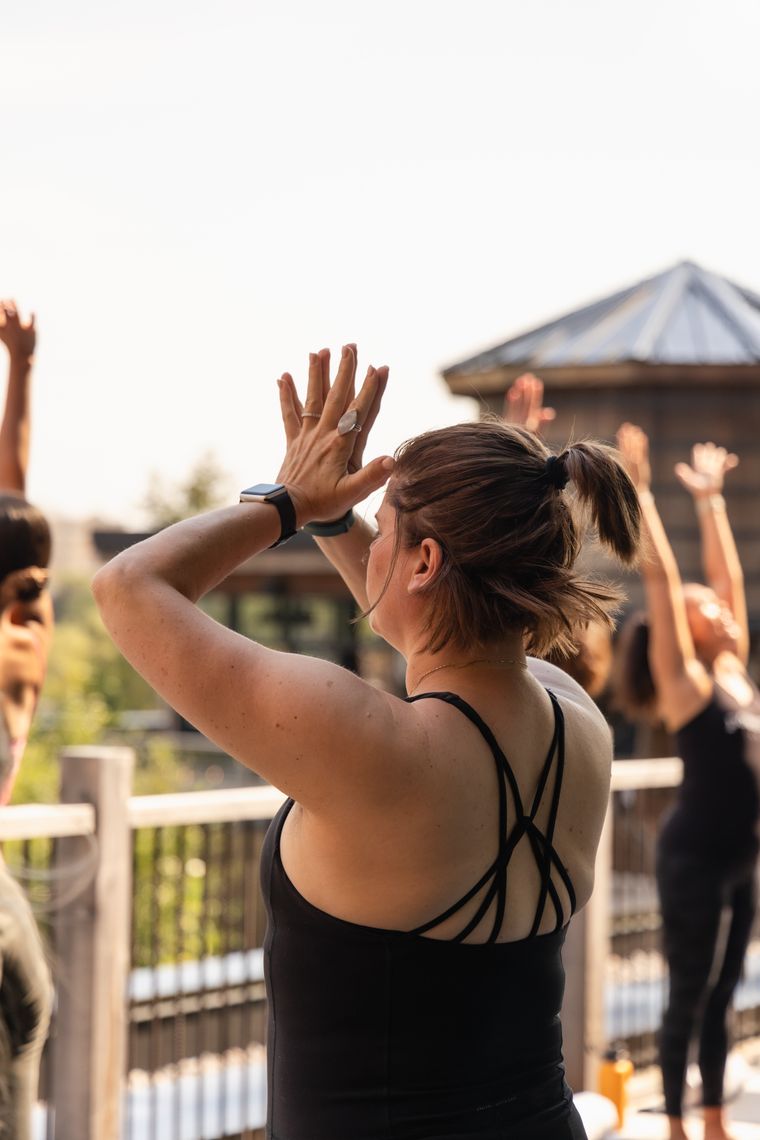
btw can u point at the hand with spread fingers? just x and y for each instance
(18, 336)
(633, 444)
(524, 404)
(708, 469)
(326, 436)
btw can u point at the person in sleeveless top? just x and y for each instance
(26, 624)
(685, 662)
(420, 876)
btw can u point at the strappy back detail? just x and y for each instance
(494, 879)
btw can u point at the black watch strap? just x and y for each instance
(287, 512)
(278, 496)
(329, 529)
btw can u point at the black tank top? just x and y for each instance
(716, 813)
(388, 1035)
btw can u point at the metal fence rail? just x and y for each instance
(196, 986)
(196, 1003)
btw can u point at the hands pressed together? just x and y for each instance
(326, 436)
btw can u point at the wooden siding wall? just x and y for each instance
(675, 417)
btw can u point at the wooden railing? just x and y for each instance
(92, 939)
(589, 941)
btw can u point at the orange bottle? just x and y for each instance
(614, 1073)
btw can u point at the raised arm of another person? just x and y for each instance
(19, 338)
(682, 683)
(704, 481)
(312, 729)
(344, 541)
(524, 404)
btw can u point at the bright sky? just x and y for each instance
(194, 196)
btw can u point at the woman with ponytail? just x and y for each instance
(684, 662)
(589, 659)
(421, 874)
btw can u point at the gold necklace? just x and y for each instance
(464, 665)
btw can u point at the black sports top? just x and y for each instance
(716, 814)
(387, 1035)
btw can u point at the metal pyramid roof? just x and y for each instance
(685, 315)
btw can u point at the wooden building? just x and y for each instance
(678, 354)
(292, 599)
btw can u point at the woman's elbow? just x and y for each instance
(112, 584)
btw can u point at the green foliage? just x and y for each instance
(194, 891)
(205, 488)
(88, 686)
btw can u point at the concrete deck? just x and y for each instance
(743, 1111)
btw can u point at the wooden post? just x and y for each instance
(585, 958)
(93, 951)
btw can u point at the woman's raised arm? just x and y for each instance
(681, 682)
(311, 728)
(19, 338)
(704, 479)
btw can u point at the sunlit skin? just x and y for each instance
(26, 629)
(26, 610)
(386, 591)
(712, 624)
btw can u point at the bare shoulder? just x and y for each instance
(572, 696)
(587, 775)
(588, 743)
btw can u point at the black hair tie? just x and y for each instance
(556, 472)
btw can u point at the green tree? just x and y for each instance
(206, 487)
(88, 686)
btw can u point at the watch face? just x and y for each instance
(262, 489)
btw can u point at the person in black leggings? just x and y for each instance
(685, 661)
(422, 872)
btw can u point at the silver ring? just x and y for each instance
(349, 422)
(311, 415)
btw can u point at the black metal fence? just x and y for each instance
(636, 983)
(196, 992)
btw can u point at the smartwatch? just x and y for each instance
(277, 495)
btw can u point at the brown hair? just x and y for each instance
(590, 661)
(491, 495)
(24, 535)
(633, 688)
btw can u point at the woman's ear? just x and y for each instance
(426, 566)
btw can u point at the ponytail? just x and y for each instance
(605, 488)
(493, 496)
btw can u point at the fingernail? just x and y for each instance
(388, 463)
